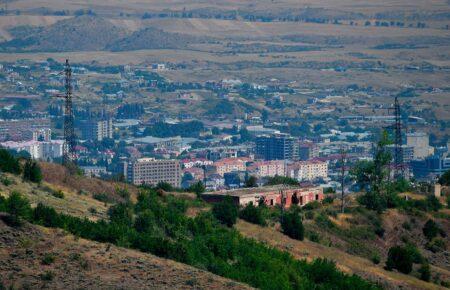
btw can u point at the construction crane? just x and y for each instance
(69, 155)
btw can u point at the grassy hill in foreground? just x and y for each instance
(33, 257)
(159, 223)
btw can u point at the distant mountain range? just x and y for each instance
(91, 33)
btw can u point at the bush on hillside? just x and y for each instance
(430, 229)
(253, 214)
(399, 258)
(32, 171)
(226, 212)
(18, 207)
(291, 224)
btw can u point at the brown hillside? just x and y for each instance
(346, 262)
(82, 264)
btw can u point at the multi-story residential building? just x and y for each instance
(271, 196)
(91, 171)
(96, 129)
(267, 168)
(21, 129)
(307, 170)
(277, 147)
(152, 171)
(225, 165)
(421, 143)
(307, 150)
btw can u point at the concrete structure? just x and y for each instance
(421, 143)
(152, 171)
(96, 129)
(37, 149)
(21, 129)
(307, 170)
(307, 150)
(231, 164)
(267, 168)
(277, 147)
(271, 196)
(430, 168)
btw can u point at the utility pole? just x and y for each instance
(343, 154)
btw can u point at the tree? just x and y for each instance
(374, 176)
(32, 171)
(253, 215)
(430, 229)
(226, 212)
(251, 182)
(445, 178)
(198, 188)
(121, 213)
(291, 223)
(18, 207)
(8, 163)
(399, 258)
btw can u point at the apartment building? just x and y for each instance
(277, 147)
(42, 150)
(152, 171)
(226, 165)
(307, 170)
(267, 168)
(96, 129)
(421, 143)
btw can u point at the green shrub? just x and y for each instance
(103, 197)
(430, 229)
(414, 252)
(226, 212)
(406, 225)
(253, 214)
(425, 273)
(324, 221)
(375, 259)
(314, 237)
(309, 215)
(291, 224)
(48, 259)
(448, 201)
(47, 276)
(6, 181)
(399, 258)
(328, 200)
(58, 194)
(312, 205)
(436, 245)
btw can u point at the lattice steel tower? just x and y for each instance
(69, 156)
(398, 158)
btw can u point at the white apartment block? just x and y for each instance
(307, 170)
(152, 171)
(37, 149)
